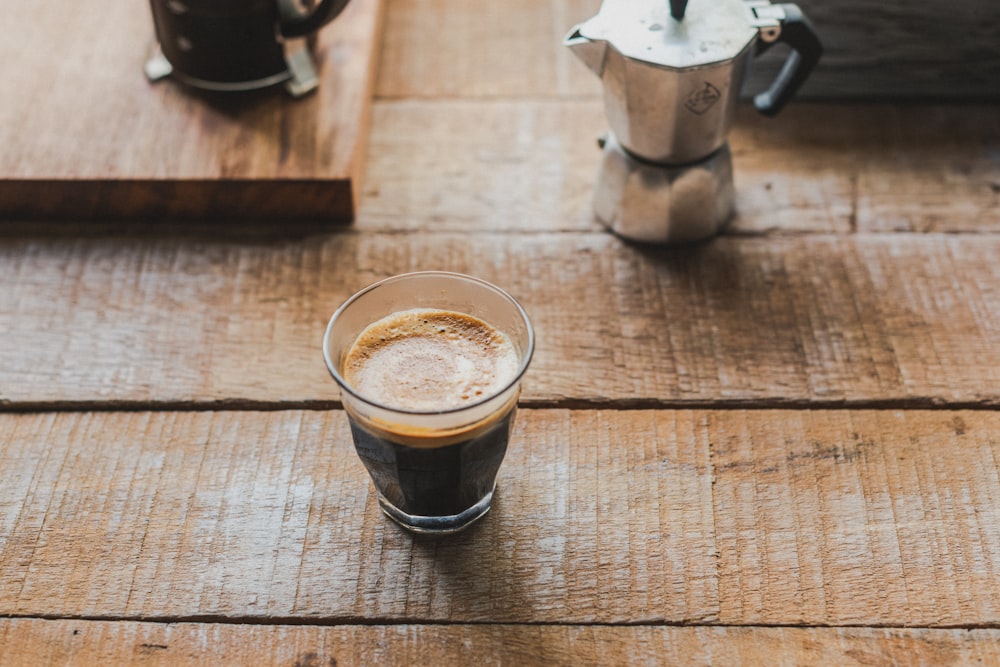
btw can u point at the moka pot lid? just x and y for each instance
(708, 32)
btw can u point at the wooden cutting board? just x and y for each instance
(84, 135)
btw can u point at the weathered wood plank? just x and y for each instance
(531, 165)
(895, 50)
(85, 136)
(928, 168)
(797, 320)
(449, 48)
(31, 642)
(889, 505)
(694, 517)
(503, 165)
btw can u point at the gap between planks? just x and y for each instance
(361, 621)
(622, 405)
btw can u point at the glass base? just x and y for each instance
(437, 525)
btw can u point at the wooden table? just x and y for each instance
(779, 447)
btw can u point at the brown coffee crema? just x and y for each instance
(427, 360)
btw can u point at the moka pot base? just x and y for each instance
(656, 203)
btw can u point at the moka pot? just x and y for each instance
(671, 76)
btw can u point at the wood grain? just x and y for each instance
(479, 166)
(85, 136)
(860, 272)
(875, 167)
(897, 50)
(531, 165)
(811, 320)
(449, 48)
(640, 517)
(72, 642)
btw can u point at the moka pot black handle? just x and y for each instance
(801, 37)
(299, 21)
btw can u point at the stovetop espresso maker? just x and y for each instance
(672, 75)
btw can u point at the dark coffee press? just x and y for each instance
(236, 45)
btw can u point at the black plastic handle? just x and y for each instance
(798, 33)
(297, 21)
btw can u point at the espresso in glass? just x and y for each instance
(430, 391)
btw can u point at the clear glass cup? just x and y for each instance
(434, 470)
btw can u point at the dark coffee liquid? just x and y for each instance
(435, 481)
(430, 360)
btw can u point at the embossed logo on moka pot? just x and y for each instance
(703, 99)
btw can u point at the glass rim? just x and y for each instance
(526, 355)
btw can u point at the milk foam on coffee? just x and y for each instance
(428, 359)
